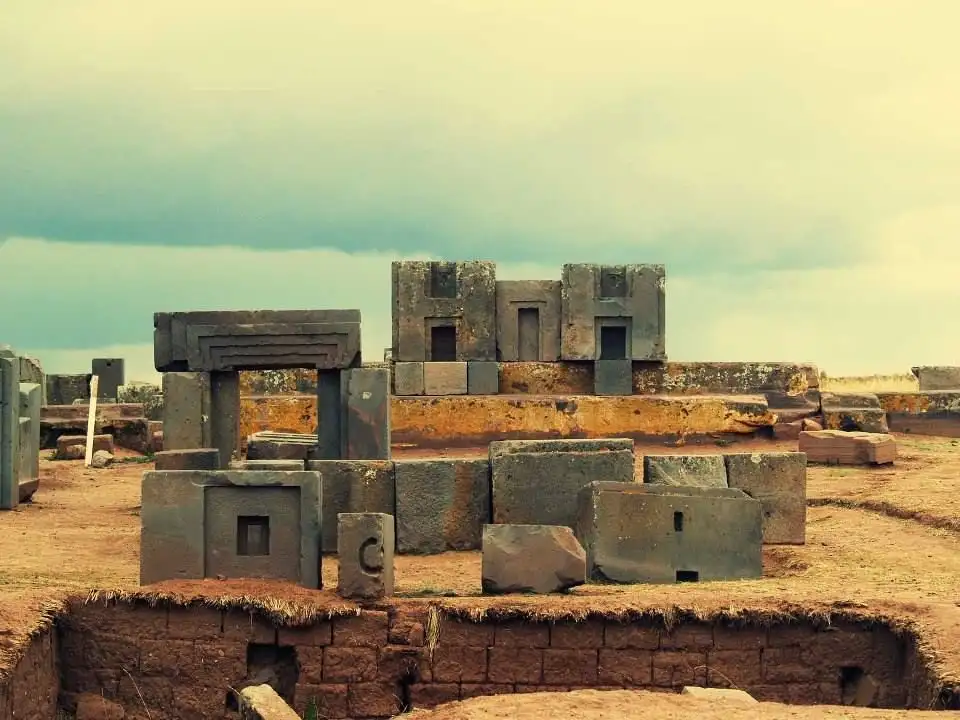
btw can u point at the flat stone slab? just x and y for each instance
(65, 442)
(280, 446)
(836, 447)
(847, 400)
(531, 559)
(871, 420)
(779, 482)
(286, 465)
(720, 694)
(507, 447)
(685, 470)
(194, 459)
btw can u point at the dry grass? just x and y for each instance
(870, 383)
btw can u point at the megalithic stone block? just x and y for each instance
(932, 378)
(366, 547)
(408, 378)
(365, 404)
(9, 431)
(483, 378)
(353, 486)
(612, 312)
(613, 377)
(779, 482)
(685, 470)
(528, 320)
(67, 389)
(111, 374)
(202, 410)
(531, 558)
(329, 415)
(194, 459)
(30, 404)
(256, 340)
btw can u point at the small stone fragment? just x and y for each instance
(531, 558)
(837, 447)
(101, 459)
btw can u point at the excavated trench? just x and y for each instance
(182, 662)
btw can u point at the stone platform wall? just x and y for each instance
(31, 691)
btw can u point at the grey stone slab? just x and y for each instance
(31, 399)
(528, 320)
(620, 308)
(641, 533)
(329, 415)
(779, 482)
(268, 445)
(445, 378)
(186, 411)
(937, 377)
(67, 389)
(193, 459)
(9, 432)
(31, 371)
(541, 488)
(483, 377)
(111, 374)
(441, 505)
(365, 405)
(436, 302)
(353, 486)
(847, 400)
(256, 340)
(507, 447)
(613, 377)
(225, 415)
(871, 420)
(365, 562)
(531, 558)
(408, 378)
(231, 524)
(685, 470)
(267, 465)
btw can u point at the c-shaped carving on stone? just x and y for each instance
(371, 556)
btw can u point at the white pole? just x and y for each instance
(92, 419)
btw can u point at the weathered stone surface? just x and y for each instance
(232, 340)
(67, 389)
(836, 447)
(445, 378)
(528, 320)
(9, 431)
(65, 442)
(365, 404)
(444, 311)
(111, 374)
(353, 486)
(286, 465)
(937, 377)
(483, 377)
(923, 413)
(94, 706)
(612, 312)
(32, 372)
(193, 459)
(30, 404)
(441, 504)
(720, 695)
(365, 544)
(245, 524)
(685, 470)
(779, 482)
(101, 459)
(848, 400)
(872, 420)
(531, 558)
(613, 377)
(329, 416)
(202, 410)
(642, 533)
(269, 445)
(791, 430)
(408, 378)
(261, 702)
(579, 445)
(553, 474)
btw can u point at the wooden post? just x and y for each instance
(92, 419)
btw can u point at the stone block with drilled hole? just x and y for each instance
(685, 470)
(365, 543)
(353, 486)
(111, 374)
(536, 482)
(779, 482)
(195, 459)
(613, 377)
(408, 378)
(483, 377)
(836, 447)
(441, 504)
(642, 533)
(445, 378)
(531, 559)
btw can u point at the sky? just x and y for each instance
(796, 166)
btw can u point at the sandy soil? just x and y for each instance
(883, 541)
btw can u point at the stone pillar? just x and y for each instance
(365, 547)
(110, 372)
(202, 410)
(225, 415)
(365, 409)
(9, 430)
(31, 396)
(328, 415)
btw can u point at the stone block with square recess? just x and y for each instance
(528, 320)
(837, 447)
(642, 533)
(353, 486)
(685, 470)
(445, 378)
(779, 482)
(441, 504)
(537, 482)
(233, 524)
(531, 558)
(365, 544)
(612, 312)
(613, 377)
(483, 377)
(408, 378)
(365, 404)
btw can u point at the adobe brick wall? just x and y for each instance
(30, 693)
(180, 661)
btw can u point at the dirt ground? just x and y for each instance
(879, 540)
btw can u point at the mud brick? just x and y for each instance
(366, 630)
(317, 635)
(349, 664)
(195, 623)
(831, 649)
(120, 619)
(693, 636)
(889, 653)
(726, 637)
(166, 658)
(785, 665)
(403, 662)
(407, 628)
(310, 662)
(459, 632)
(460, 664)
(570, 667)
(367, 700)
(790, 635)
(641, 637)
(111, 652)
(248, 626)
(517, 665)
(469, 690)
(804, 694)
(625, 668)
(734, 668)
(138, 691)
(676, 669)
(431, 695)
(329, 700)
(588, 634)
(222, 662)
(518, 633)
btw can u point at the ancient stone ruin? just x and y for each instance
(20, 402)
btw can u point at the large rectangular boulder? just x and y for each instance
(537, 482)
(837, 447)
(528, 320)
(353, 486)
(111, 374)
(642, 533)
(441, 504)
(202, 410)
(365, 563)
(937, 377)
(779, 482)
(685, 470)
